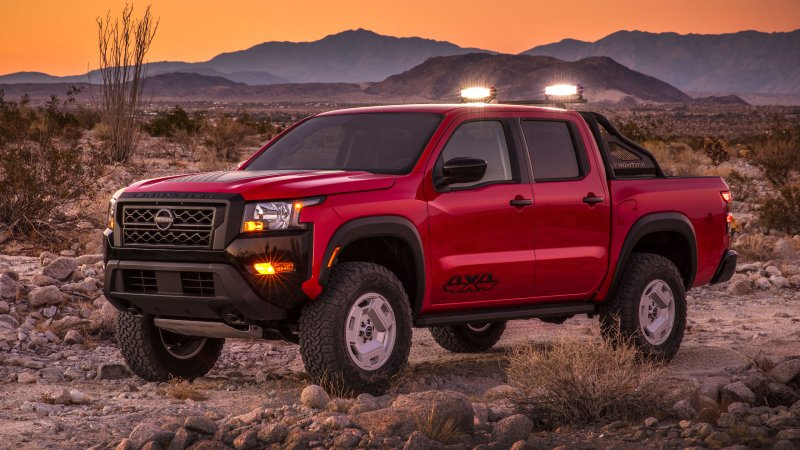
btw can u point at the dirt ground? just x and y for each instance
(723, 333)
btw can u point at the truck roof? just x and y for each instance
(442, 108)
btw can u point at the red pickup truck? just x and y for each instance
(353, 227)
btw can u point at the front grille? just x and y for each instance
(179, 226)
(199, 284)
(140, 281)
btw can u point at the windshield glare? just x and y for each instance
(379, 143)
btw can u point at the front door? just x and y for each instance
(481, 233)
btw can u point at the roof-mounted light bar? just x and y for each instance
(554, 95)
(478, 94)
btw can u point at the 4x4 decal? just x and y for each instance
(470, 283)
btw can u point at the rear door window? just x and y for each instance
(552, 150)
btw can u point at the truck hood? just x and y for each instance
(269, 184)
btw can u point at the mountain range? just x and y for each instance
(367, 64)
(747, 61)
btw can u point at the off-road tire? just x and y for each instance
(322, 329)
(619, 315)
(140, 343)
(462, 339)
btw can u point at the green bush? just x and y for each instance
(168, 123)
(782, 212)
(43, 169)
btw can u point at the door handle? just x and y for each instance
(521, 202)
(592, 199)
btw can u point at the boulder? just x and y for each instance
(47, 295)
(785, 372)
(315, 397)
(740, 287)
(144, 433)
(8, 287)
(274, 433)
(60, 268)
(200, 424)
(512, 429)
(112, 371)
(738, 392)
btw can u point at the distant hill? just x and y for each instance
(720, 100)
(350, 56)
(523, 77)
(747, 61)
(438, 79)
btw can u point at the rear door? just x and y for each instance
(572, 213)
(481, 234)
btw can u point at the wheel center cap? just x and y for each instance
(368, 331)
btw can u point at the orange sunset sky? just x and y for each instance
(59, 37)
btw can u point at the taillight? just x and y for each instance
(726, 195)
(729, 221)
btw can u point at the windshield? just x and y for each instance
(379, 143)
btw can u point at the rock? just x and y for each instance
(683, 410)
(650, 421)
(783, 445)
(740, 287)
(365, 403)
(401, 419)
(512, 429)
(183, 438)
(785, 372)
(752, 267)
(61, 268)
(109, 315)
(144, 433)
(780, 394)
(68, 323)
(57, 396)
(780, 282)
(200, 424)
(773, 271)
(50, 311)
(112, 371)
(717, 439)
(738, 392)
(762, 283)
(784, 419)
(4, 308)
(247, 418)
(125, 444)
(789, 434)
(418, 441)
(502, 391)
(208, 445)
(348, 439)
(73, 337)
(274, 433)
(77, 397)
(27, 378)
(9, 320)
(88, 259)
(47, 295)
(43, 280)
(338, 422)
(246, 440)
(8, 287)
(44, 409)
(315, 397)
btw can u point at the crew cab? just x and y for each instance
(353, 227)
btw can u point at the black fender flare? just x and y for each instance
(654, 223)
(380, 226)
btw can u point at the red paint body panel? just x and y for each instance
(558, 249)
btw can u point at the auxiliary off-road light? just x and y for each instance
(478, 94)
(272, 269)
(564, 92)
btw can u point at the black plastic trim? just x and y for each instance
(726, 268)
(654, 223)
(495, 315)
(380, 226)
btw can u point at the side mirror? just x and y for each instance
(462, 170)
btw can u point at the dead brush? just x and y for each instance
(437, 429)
(754, 247)
(583, 381)
(181, 389)
(335, 386)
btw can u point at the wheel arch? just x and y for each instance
(391, 241)
(669, 234)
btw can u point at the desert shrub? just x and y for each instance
(781, 211)
(676, 158)
(583, 381)
(716, 152)
(168, 123)
(753, 247)
(635, 132)
(43, 168)
(181, 389)
(438, 428)
(257, 125)
(742, 187)
(224, 135)
(778, 155)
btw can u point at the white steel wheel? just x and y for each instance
(479, 327)
(370, 331)
(180, 346)
(656, 312)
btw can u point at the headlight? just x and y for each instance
(280, 215)
(112, 208)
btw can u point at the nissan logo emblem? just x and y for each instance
(164, 219)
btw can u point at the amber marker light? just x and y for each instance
(253, 226)
(272, 269)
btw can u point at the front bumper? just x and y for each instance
(211, 284)
(726, 268)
